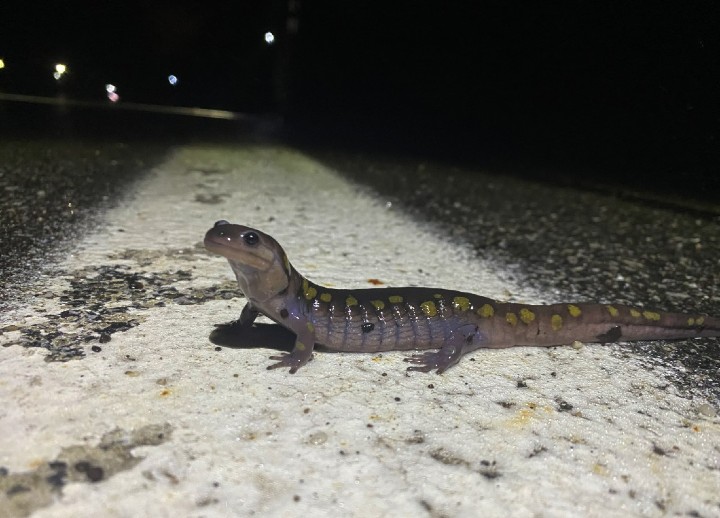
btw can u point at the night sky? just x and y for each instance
(632, 86)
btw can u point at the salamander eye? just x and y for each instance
(221, 222)
(251, 238)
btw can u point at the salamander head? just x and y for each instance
(259, 262)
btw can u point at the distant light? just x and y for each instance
(269, 38)
(2, 63)
(60, 70)
(112, 94)
(173, 80)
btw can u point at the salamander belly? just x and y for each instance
(379, 325)
(371, 320)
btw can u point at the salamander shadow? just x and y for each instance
(267, 336)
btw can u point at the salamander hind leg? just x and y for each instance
(461, 341)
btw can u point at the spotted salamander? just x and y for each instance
(452, 323)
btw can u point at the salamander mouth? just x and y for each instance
(225, 247)
(217, 247)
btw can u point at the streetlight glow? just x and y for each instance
(60, 70)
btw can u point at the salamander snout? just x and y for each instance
(222, 230)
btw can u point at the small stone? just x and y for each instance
(707, 410)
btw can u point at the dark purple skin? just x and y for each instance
(452, 323)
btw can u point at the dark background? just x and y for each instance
(613, 94)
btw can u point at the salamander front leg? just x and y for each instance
(247, 316)
(236, 327)
(462, 340)
(301, 353)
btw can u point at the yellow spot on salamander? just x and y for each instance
(379, 304)
(651, 315)
(308, 290)
(325, 297)
(461, 303)
(691, 321)
(700, 321)
(351, 301)
(613, 311)
(526, 316)
(556, 322)
(574, 310)
(635, 313)
(395, 299)
(486, 311)
(511, 319)
(428, 308)
(299, 346)
(437, 295)
(310, 327)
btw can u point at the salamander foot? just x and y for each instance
(463, 339)
(440, 360)
(292, 360)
